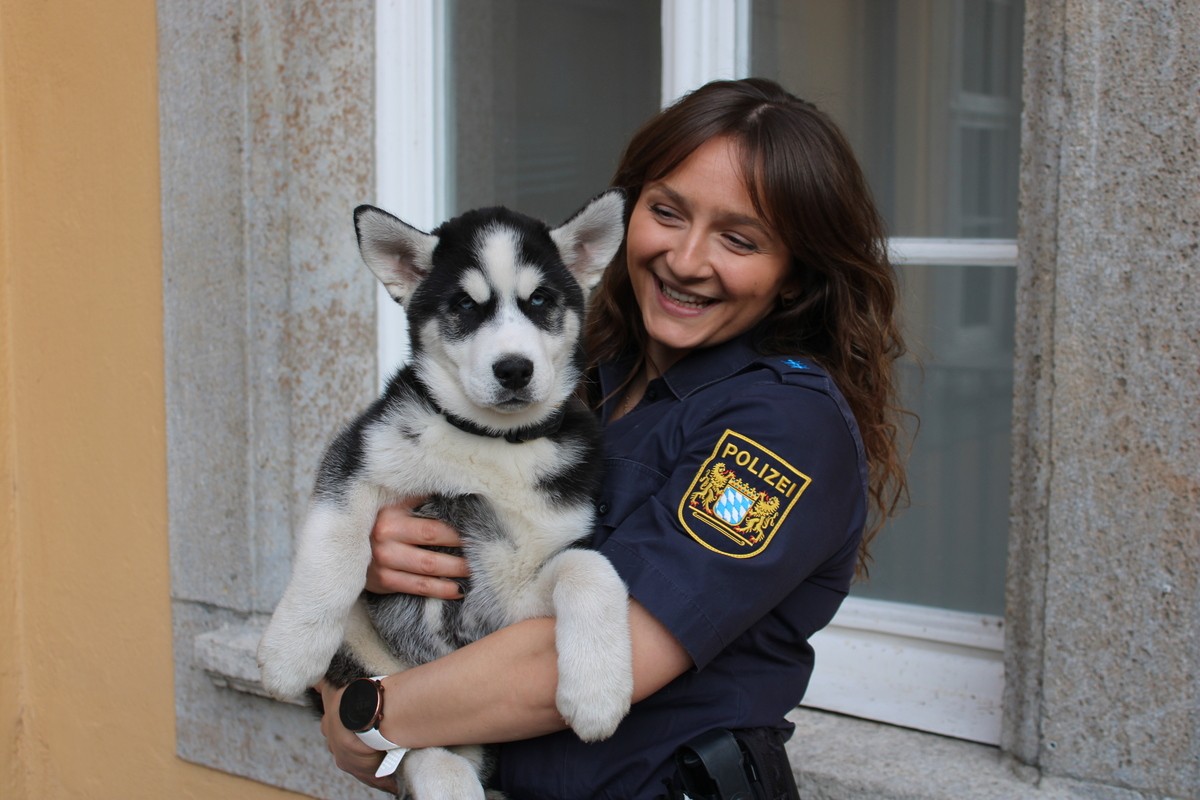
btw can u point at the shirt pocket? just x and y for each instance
(627, 485)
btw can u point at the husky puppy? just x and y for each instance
(484, 420)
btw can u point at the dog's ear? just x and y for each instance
(588, 240)
(398, 254)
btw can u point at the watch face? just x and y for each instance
(360, 705)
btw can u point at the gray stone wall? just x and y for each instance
(267, 145)
(1103, 617)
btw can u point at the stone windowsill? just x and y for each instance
(835, 757)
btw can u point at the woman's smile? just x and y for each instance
(677, 301)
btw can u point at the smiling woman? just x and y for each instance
(775, 186)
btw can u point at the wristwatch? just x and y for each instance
(361, 710)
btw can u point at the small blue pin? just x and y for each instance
(794, 364)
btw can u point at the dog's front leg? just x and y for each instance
(595, 671)
(328, 574)
(437, 773)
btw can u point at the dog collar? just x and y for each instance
(516, 436)
(547, 428)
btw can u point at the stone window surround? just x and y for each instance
(265, 146)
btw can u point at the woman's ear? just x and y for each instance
(791, 290)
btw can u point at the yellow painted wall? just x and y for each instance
(86, 698)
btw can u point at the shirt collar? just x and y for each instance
(694, 371)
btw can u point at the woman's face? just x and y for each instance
(704, 266)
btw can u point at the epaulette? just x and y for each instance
(803, 371)
(789, 368)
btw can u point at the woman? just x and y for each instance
(742, 346)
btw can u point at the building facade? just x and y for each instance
(198, 413)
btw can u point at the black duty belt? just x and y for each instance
(742, 764)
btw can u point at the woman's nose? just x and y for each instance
(690, 257)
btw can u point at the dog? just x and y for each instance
(484, 420)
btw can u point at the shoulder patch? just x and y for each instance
(740, 496)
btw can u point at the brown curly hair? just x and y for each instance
(806, 183)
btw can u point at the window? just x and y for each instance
(265, 351)
(929, 94)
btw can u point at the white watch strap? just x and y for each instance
(376, 740)
(390, 762)
(373, 738)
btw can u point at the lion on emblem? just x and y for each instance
(711, 486)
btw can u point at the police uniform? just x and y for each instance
(733, 507)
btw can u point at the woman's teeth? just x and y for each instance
(683, 299)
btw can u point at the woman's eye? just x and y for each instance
(741, 243)
(662, 212)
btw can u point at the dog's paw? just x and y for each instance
(279, 676)
(438, 774)
(594, 708)
(287, 665)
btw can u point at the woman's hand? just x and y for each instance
(350, 754)
(400, 562)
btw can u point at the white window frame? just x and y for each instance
(410, 138)
(926, 668)
(703, 40)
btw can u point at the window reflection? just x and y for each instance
(928, 91)
(544, 94)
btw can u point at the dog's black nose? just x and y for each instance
(513, 372)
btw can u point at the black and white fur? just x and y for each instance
(484, 420)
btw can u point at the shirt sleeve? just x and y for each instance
(766, 488)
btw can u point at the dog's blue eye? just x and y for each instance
(464, 303)
(538, 298)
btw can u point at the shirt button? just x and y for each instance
(652, 394)
(602, 508)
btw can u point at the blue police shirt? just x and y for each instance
(733, 506)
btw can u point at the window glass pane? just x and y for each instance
(928, 92)
(949, 547)
(543, 96)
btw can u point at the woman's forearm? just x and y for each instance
(502, 688)
(498, 689)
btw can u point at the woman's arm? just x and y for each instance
(500, 688)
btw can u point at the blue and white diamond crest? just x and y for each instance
(732, 506)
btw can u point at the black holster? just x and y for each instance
(742, 764)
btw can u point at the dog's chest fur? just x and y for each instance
(515, 505)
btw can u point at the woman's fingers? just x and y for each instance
(398, 523)
(382, 580)
(400, 561)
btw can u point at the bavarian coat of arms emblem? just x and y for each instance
(740, 496)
